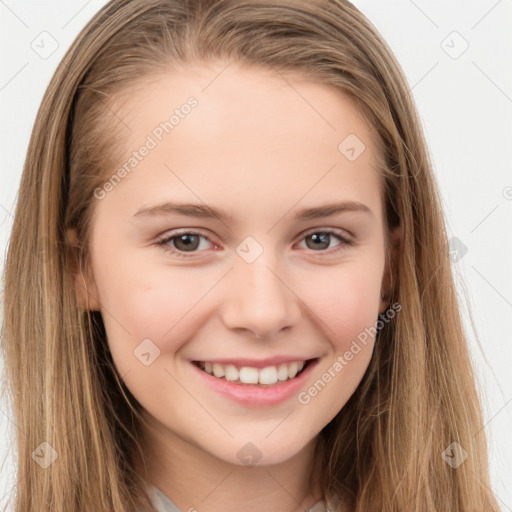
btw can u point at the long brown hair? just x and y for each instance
(419, 393)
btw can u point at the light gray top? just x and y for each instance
(163, 504)
(160, 501)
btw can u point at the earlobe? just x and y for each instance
(391, 269)
(84, 285)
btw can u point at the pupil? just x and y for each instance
(187, 243)
(323, 238)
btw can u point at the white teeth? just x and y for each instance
(292, 370)
(250, 375)
(231, 372)
(268, 375)
(282, 373)
(217, 369)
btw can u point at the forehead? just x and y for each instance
(277, 134)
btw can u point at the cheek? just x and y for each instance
(344, 299)
(147, 301)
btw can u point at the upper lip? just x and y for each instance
(257, 363)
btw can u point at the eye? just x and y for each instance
(321, 240)
(179, 244)
(184, 242)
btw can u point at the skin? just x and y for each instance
(261, 147)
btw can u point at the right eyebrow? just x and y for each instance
(187, 209)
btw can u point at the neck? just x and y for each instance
(194, 479)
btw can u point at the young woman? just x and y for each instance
(227, 285)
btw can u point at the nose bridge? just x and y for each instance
(258, 297)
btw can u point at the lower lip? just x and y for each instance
(253, 394)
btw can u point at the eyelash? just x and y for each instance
(164, 241)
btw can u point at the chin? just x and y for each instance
(262, 452)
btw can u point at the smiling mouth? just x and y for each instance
(267, 376)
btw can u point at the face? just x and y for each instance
(275, 272)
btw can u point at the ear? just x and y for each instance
(84, 284)
(390, 272)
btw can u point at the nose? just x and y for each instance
(259, 299)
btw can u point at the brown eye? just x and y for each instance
(319, 241)
(186, 242)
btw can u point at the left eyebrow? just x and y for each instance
(205, 211)
(327, 210)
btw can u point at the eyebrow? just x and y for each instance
(205, 211)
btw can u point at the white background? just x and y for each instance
(465, 104)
